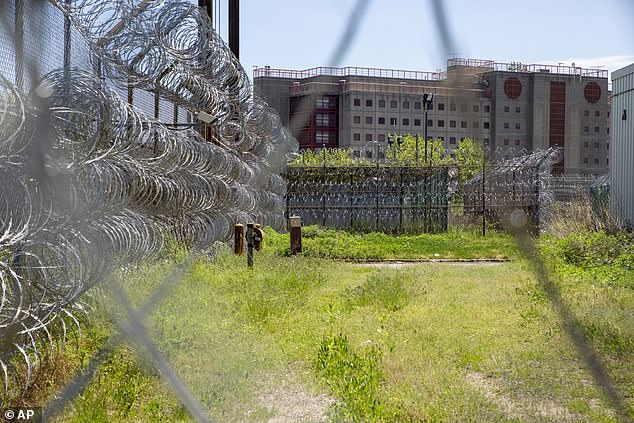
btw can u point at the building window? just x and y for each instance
(417, 105)
(596, 161)
(356, 137)
(506, 141)
(486, 125)
(486, 141)
(441, 106)
(357, 102)
(441, 123)
(585, 160)
(430, 122)
(322, 119)
(381, 137)
(416, 122)
(368, 120)
(322, 137)
(393, 104)
(608, 114)
(585, 144)
(452, 123)
(381, 121)
(597, 113)
(393, 121)
(463, 124)
(452, 140)
(596, 144)
(506, 109)
(596, 129)
(405, 121)
(442, 139)
(431, 107)
(517, 141)
(607, 161)
(381, 103)
(356, 119)
(368, 137)
(517, 125)
(607, 146)
(487, 109)
(406, 104)
(452, 107)
(586, 129)
(586, 113)
(368, 154)
(475, 125)
(506, 125)
(326, 103)
(368, 103)
(463, 107)
(476, 108)
(517, 109)
(608, 128)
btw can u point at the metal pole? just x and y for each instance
(425, 105)
(376, 191)
(323, 191)
(19, 44)
(483, 196)
(234, 27)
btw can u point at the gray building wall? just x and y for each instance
(469, 102)
(622, 163)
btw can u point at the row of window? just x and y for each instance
(417, 105)
(597, 113)
(596, 161)
(382, 137)
(586, 144)
(508, 125)
(507, 109)
(596, 129)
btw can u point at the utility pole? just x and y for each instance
(234, 27)
(206, 4)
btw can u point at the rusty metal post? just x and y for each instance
(258, 237)
(296, 234)
(250, 241)
(238, 236)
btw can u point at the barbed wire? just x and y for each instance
(90, 183)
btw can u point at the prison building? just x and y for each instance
(512, 108)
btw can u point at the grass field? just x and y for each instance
(307, 338)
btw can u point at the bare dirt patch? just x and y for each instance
(518, 408)
(290, 401)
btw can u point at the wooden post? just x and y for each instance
(238, 236)
(296, 234)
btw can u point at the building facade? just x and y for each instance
(510, 107)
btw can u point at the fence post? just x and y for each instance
(296, 234)
(483, 198)
(250, 242)
(376, 194)
(400, 218)
(238, 239)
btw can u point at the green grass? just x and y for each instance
(430, 342)
(457, 243)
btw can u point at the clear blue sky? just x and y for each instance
(401, 34)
